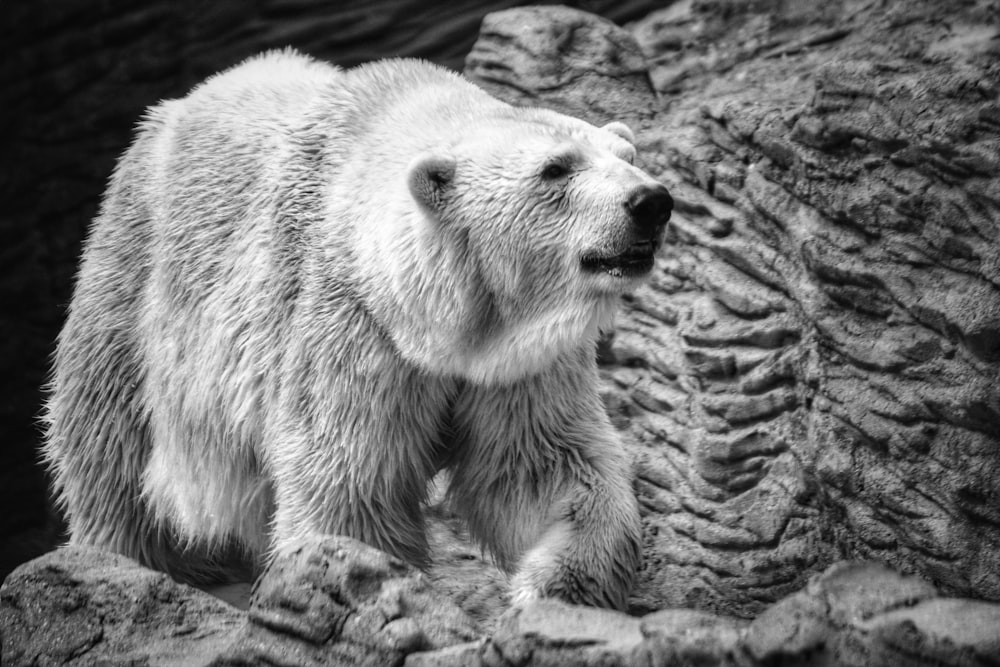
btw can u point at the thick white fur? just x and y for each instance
(308, 290)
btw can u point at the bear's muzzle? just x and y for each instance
(649, 208)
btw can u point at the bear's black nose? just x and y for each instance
(650, 207)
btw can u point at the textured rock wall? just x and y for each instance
(812, 373)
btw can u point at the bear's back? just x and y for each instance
(270, 89)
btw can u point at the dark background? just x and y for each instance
(75, 76)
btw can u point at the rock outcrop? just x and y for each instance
(339, 602)
(812, 373)
(332, 601)
(81, 605)
(853, 614)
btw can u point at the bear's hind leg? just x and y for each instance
(213, 505)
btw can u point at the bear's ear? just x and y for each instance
(430, 177)
(620, 129)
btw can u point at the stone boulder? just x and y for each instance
(79, 605)
(330, 601)
(338, 601)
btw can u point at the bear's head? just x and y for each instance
(535, 223)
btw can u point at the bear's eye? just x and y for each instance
(554, 170)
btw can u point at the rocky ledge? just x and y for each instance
(340, 602)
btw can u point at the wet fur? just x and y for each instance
(273, 335)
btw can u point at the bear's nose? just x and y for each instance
(650, 207)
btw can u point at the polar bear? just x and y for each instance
(308, 290)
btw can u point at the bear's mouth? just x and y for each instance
(637, 260)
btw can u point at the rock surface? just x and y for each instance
(853, 614)
(81, 606)
(338, 602)
(331, 601)
(811, 374)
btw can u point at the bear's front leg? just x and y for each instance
(589, 552)
(545, 484)
(357, 440)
